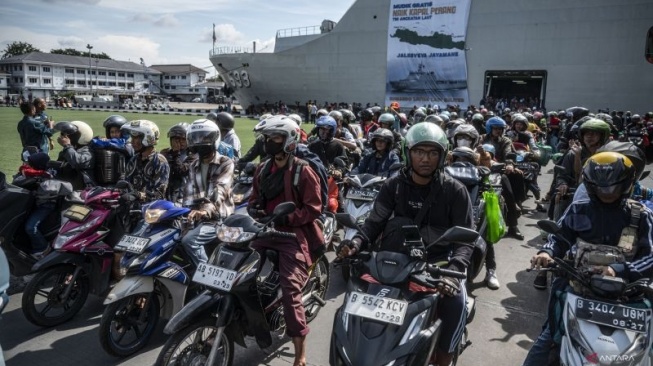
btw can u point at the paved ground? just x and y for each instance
(507, 321)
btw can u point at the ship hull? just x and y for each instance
(591, 51)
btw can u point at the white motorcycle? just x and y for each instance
(606, 321)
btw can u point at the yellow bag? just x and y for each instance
(496, 226)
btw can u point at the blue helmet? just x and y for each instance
(328, 122)
(489, 148)
(494, 122)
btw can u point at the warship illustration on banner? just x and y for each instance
(421, 80)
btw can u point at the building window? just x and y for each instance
(122, 85)
(183, 77)
(81, 82)
(102, 73)
(167, 77)
(70, 82)
(130, 75)
(649, 46)
(121, 74)
(166, 87)
(83, 72)
(47, 81)
(130, 85)
(173, 87)
(112, 74)
(32, 68)
(33, 80)
(112, 83)
(46, 69)
(92, 72)
(20, 67)
(70, 71)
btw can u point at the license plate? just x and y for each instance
(214, 276)
(77, 213)
(361, 194)
(613, 315)
(383, 309)
(132, 244)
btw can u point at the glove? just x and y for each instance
(349, 248)
(255, 213)
(449, 286)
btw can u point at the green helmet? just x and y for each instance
(596, 125)
(427, 134)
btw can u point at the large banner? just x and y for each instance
(426, 53)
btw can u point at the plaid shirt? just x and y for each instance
(217, 188)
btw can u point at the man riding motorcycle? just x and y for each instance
(378, 159)
(178, 159)
(599, 219)
(423, 194)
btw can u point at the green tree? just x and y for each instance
(17, 48)
(74, 52)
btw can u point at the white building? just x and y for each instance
(45, 74)
(182, 82)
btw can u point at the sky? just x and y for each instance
(159, 31)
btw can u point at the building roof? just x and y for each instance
(178, 69)
(51, 58)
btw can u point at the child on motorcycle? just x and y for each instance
(34, 175)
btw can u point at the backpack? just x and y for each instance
(315, 163)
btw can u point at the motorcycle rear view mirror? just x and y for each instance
(457, 234)
(346, 220)
(284, 209)
(549, 226)
(511, 156)
(411, 233)
(645, 174)
(123, 184)
(497, 168)
(396, 166)
(250, 168)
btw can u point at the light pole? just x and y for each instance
(89, 67)
(97, 88)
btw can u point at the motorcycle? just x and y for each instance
(529, 168)
(13, 237)
(391, 305)
(240, 301)
(4, 283)
(155, 282)
(476, 185)
(243, 188)
(81, 261)
(606, 320)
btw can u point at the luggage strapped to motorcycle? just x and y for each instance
(629, 234)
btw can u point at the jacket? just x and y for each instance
(503, 146)
(219, 202)
(376, 166)
(179, 163)
(598, 223)
(149, 176)
(232, 139)
(34, 133)
(78, 169)
(451, 206)
(570, 177)
(254, 152)
(328, 152)
(307, 198)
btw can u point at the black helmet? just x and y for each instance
(578, 112)
(115, 120)
(178, 130)
(636, 118)
(464, 153)
(383, 133)
(419, 116)
(212, 117)
(225, 121)
(348, 116)
(366, 115)
(609, 173)
(79, 132)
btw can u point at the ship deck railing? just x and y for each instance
(224, 50)
(300, 31)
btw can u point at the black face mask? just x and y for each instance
(273, 148)
(203, 151)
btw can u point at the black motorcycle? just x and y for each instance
(240, 301)
(390, 311)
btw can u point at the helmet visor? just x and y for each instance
(196, 138)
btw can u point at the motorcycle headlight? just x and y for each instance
(415, 327)
(228, 234)
(63, 238)
(152, 216)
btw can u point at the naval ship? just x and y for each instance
(584, 52)
(421, 80)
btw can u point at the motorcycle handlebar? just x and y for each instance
(436, 271)
(277, 234)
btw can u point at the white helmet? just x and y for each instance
(296, 117)
(264, 116)
(147, 129)
(79, 132)
(286, 127)
(202, 132)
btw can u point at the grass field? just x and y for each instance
(10, 147)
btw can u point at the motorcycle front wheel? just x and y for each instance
(43, 304)
(127, 324)
(191, 346)
(318, 282)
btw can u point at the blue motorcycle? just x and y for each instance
(155, 279)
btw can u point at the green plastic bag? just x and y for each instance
(496, 226)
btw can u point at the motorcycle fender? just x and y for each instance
(129, 286)
(200, 306)
(177, 293)
(56, 258)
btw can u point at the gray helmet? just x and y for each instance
(336, 115)
(464, 153)
(419, 116)
(178, 130)
(427, 134)
(225, 121)
(434, 118)
(383, 133)
(466, 129)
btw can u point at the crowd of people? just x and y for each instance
(306, 167)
